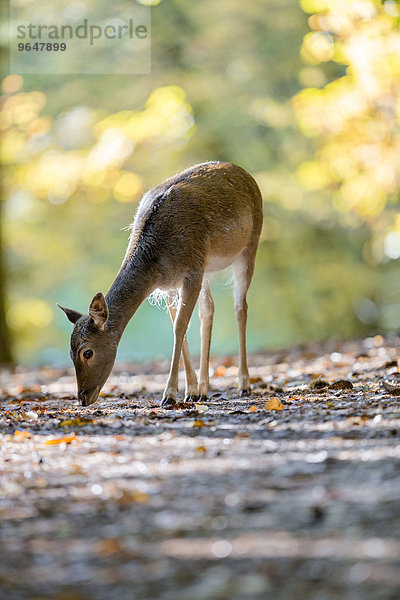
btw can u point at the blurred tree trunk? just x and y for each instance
(5, 338)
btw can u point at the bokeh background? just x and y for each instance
(304, 95)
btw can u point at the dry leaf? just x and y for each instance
(78, 421)
(129, 496)
(201, 449)
(253, 408)
(199, 423)
(220, 371)
(30, 415)
(201, 407)
(108, 546)
(67, 439)
(68, 422)
(21, 435)
(273, 404)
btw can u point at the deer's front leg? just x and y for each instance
(189, 294)
(191, 394)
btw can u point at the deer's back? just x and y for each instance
(209, 211)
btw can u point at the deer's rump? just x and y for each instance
(205, 216)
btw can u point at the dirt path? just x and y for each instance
(224, 500)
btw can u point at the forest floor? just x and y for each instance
(290, 493)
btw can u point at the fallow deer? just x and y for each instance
(197, 222)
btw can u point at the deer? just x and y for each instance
(198, 222)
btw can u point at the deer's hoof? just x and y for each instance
(191, 398)
(203, 398)
(244, 393)
(168, 402)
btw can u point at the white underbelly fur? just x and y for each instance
(166, 294)
(218, 263)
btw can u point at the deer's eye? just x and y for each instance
(88, 354)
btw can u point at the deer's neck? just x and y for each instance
(134, 282)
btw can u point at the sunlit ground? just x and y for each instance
(223, 499)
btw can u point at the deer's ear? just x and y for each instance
(72, 315)
(98, 310)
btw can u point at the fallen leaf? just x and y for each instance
(72, 422)
(220, 371)
(201, 449)
(273, 404)
(253, 408)
(201, 407)
(256, 379)
(67, 439)
(129, 496)
(21, 435)
(199, 423)
(108, 546)
(30, 415)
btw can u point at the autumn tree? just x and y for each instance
(354, 119)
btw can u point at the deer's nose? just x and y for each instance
(87, 397)
(82, 397)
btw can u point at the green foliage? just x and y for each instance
(354, 119)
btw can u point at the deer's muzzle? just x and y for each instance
(88, 397)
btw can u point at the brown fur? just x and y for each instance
(199, 221)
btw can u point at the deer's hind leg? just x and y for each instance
(243, 268)
(190, 374)
(206, 313)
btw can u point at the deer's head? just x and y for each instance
(93, 348)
